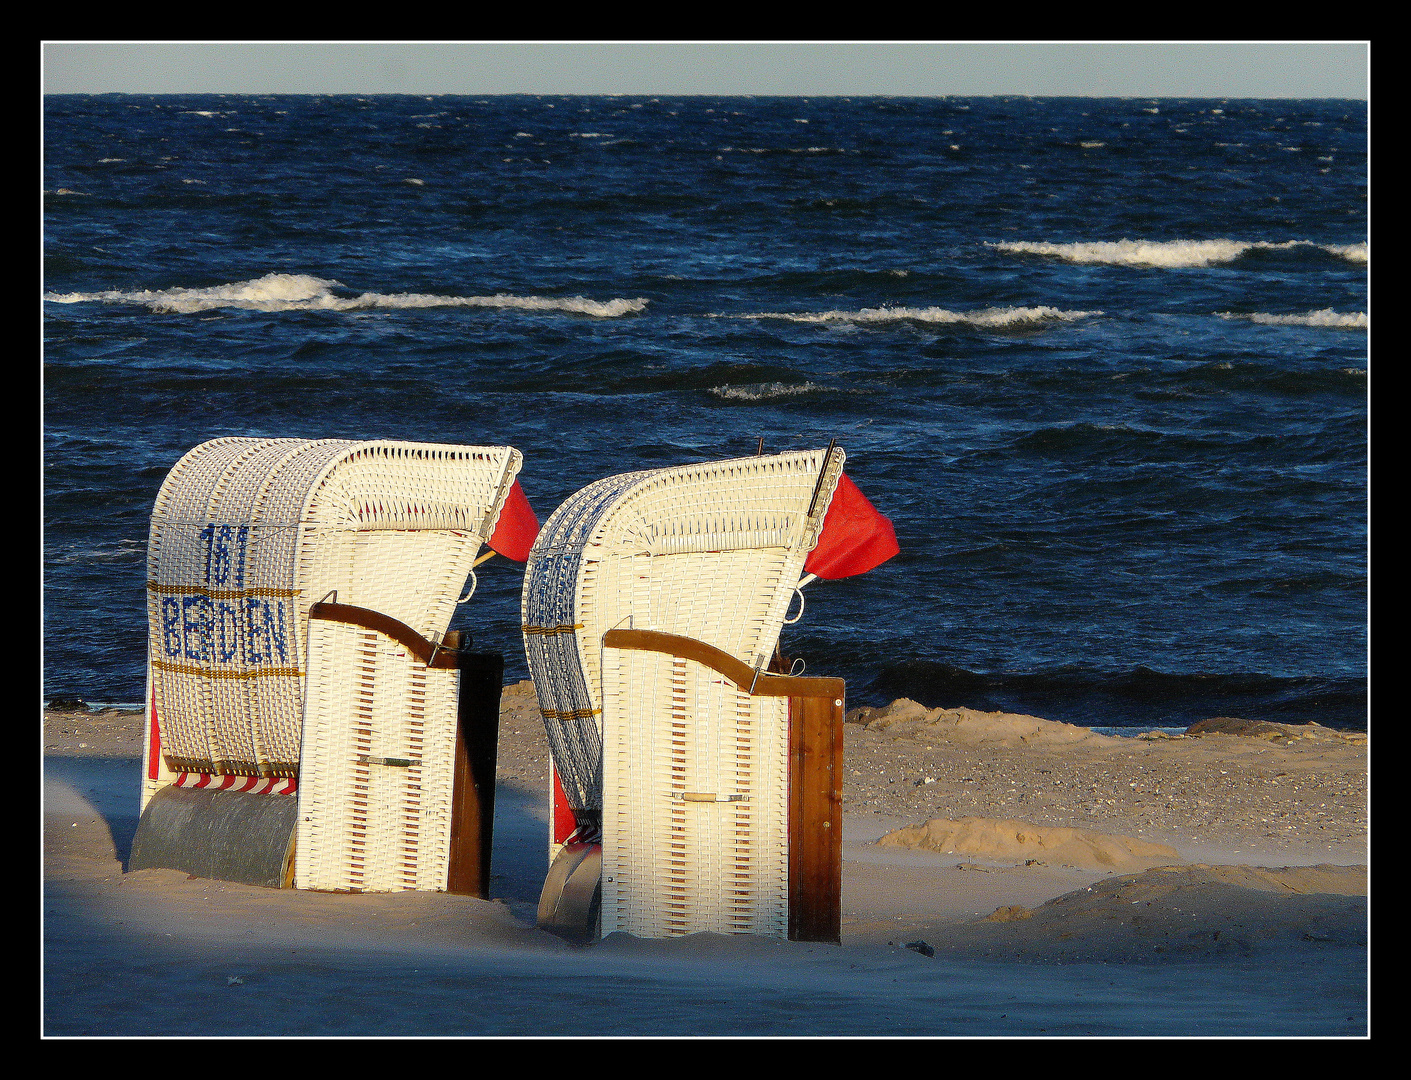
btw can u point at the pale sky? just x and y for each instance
(1092, 69)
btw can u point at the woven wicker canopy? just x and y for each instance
(682, 773)
(247, 535)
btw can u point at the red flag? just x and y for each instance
(854, 537)
(517, 527)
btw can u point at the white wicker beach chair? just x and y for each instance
(652, 607)
(299, 596)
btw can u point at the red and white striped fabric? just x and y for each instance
(255, 785)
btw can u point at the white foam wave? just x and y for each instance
(303, 292)
(786, 150)
(1167, 253)
(766, 391)
(1350, 252)
(995, 318)
(1327, 317)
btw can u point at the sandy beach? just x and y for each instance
(1003, 876)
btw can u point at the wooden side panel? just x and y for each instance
(815, 819)
(473, 797)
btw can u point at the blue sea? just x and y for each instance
(1103, 362)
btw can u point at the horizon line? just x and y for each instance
(685, 94)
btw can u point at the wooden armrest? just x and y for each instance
(757, 684)
(430, 653)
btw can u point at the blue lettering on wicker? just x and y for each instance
(266, 637)
(254, 654)
(196, 627)
(220, 556)
(241, 535)
(227, 632)
(274, 628)
(171, 625)
(225, 553)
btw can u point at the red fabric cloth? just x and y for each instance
(517, 527)
(855, 537)
(564, 823)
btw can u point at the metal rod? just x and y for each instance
(827, 457)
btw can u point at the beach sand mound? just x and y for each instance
(1234, 725)
(1193, 911)
(515, 691)
(971, 727)
(1284, 733)
(1020, 841)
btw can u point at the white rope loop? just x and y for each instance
(799, 593)
(473, 582)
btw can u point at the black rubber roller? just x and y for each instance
(226, 835)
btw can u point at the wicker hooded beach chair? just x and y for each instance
(310, 720)
(693, 789)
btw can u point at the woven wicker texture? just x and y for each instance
(684, 774)
(378, 766)
(246, 534)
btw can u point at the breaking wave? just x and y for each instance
(1350, 252)
(767, 391)
(1169, 253)
(1355, 320)
(988, 318)
(303, 292)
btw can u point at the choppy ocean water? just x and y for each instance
(1103, 362)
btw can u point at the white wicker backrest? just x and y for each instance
(710, 551)
(247, 533)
